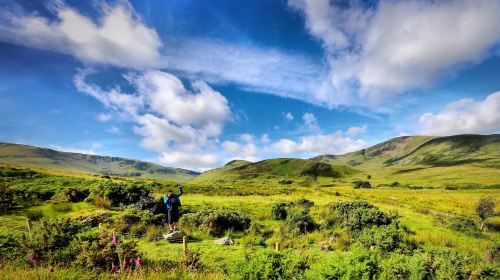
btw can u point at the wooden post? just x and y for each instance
(29, 223)
(185, 244)
(278, 247)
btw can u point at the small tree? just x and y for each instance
(485, 208)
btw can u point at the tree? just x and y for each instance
(485, 208)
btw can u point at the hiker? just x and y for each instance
(173, 204)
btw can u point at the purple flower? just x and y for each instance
(32, 257)
(138, 262)
(113, 267)
(51, 269)
(115, 239)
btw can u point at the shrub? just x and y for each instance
(357, 215)
(362, 184)
(34, 215)
(358, 264)
(51, 239)
(216, 221)
(485, 208)
(270, 265)
(303, 202)
(386, 238)
(120, 193)
(71, 195)
(6, 199)
(62, 207)
(463, 224)
(9, 246)
(100, 252)
(285, 181)
(300, 222)
(278, 212)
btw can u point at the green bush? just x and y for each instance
(357, 215)
(386, 238)
(270, 265)
(120, 194)
(362, 185)
(278, 211)
(10, 247)
(358, 264)
(51, 240)
(99, 252)
(34, 215)
(6, 199)
(216, 221)
(300, 222)
(463, 224)
(302, 202)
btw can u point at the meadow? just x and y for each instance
(326, 230)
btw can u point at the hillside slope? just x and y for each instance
(34, 157)
(428, 159)
(273, 171)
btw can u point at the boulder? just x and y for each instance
(174, 237)
(94, 220)
(224, 241)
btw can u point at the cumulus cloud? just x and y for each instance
(376, 52)
(117, 37)
(104, 117)
(464, 116)
(310, 121)
(355, 130)
(288, 116)
(335, 143)
(246, 137)
(177, 122)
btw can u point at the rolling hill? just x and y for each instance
(278, 170)
(25, 156)
(428, 159)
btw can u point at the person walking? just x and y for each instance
(173, 204)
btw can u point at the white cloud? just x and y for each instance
(264, 138)
(464, 116)
(172, 120)
(246, 137)
(355, 130)
(310, 121)
(73, 150)
(396, 46)
(288, 116)
(104, 117)
(335, 143)
(118, 37)
(114, 130)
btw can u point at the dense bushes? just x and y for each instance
(278, 211)
(270, 265)
(362, 185)
(216, 221)
(120, 193)
(6, 199)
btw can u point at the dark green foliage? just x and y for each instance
(485, 207)
(6, 199)
(51, 240)
(300, 222)
(285, 181)
(386, 238)
(72, 194)
(463, 224)
(358, 264)
(357, 215)
(216, 221)
(121, 193)
(278, 211)
(34, 215)
(10, 248)
(362, 185)
(302, 202)
(99, 252)
(270, 265)
(321, 169)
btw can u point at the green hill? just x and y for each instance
(41, 158)
(428, 159)
(274, 171)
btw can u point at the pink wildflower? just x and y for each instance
(51, 269)
(115, 239)
(138, 262)
(124, 264)
(32, 257)
(113, 267)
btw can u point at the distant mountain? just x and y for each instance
(459, 158)
(273, 170)
(34, 157)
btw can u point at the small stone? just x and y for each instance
(174, 237)
(224, 241)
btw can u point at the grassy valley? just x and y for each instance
(47, 159)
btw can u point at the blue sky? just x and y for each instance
(195, 84)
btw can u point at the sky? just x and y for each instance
(195, 84)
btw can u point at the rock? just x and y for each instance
(224, 241)
(94, 220)
(174, 237)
